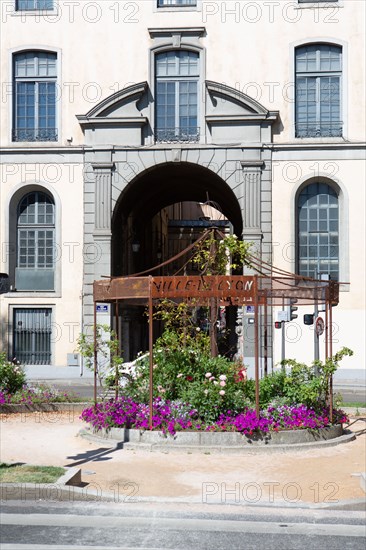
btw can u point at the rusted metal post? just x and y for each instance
(329, 304)
(150, 356)
(256, 316)
(326, 329)
(95, 353)
(116, 374)
(213, 319)
(265, 335)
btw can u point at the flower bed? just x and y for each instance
(37, 395)
(172, 417)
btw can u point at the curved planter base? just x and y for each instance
(221, 442)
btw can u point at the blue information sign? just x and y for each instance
(102, 308)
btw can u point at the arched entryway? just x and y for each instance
(161, 212)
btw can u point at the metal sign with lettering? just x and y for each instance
(214, 286)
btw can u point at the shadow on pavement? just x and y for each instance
(95, 455)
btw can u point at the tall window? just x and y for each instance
(164, 3)
(176, 95)
(35, 97)
(35, 242)
(318, 238)
(34, 5)
(318, 91)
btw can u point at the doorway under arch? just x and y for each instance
(161, 212)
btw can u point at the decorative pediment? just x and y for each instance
(120, 104)
(117, 117)
(226, 104)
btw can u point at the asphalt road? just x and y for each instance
(66, 526)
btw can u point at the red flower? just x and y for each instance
(189, 378)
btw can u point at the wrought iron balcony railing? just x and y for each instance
(35, 134)
(177, 135)
(321, 129)
(176, 3)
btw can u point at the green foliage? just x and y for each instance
(213, 257)
(180, 325)
(15, 473)
(190, 375)
(309, 385)
(301, 384)
(12, 376)
(109, 360)
(272, 387)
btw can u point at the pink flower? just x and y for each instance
(222, 392)
(208, 374)
(222, 383)
(212, 378)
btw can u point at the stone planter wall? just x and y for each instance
(220, 439)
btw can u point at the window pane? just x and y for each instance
(34, 4)
(317, 231)
(176, 96)
(318, 110)
(35, 97)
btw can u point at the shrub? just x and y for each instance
(211, 385)
(12, 375)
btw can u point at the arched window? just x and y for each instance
(176, 96)
(34, 92)
(35, 242)
(318, 91)
(318, 231)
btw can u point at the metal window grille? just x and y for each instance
(174, 3)
(35, 97)
(318, 91)
(318, 238)
(316, 1)
(32, 335)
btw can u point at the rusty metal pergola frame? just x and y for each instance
(268, 287)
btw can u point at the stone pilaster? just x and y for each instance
(103, 204)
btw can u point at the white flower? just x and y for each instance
(222, 392)
(179, 375)
(208, 374)
(205, 392)
(222, 377)
(215, 382)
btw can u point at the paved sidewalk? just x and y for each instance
(317, 477)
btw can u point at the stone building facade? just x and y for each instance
(114, 111)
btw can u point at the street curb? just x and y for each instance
(216, 449)
(71, 494)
